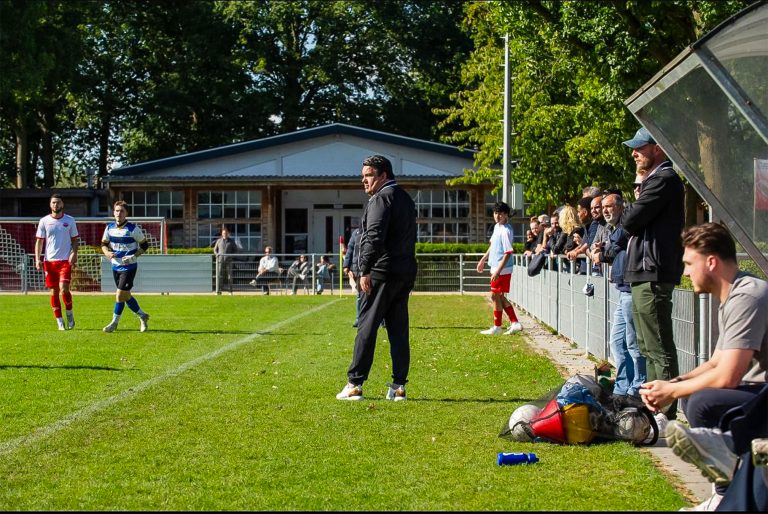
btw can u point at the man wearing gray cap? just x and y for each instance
(654, 262)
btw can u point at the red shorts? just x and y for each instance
(501, 285)
(57, 272)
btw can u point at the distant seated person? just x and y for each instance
(269, 269)
(299, 270)
(324, 268)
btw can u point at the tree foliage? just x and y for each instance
(574, 64)
(96, 83)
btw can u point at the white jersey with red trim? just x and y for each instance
(58, 234)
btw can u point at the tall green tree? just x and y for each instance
(39, 46)
(574, 64)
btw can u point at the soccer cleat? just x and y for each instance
(514, 327)
(493, 331)
(396, 392)
(110, 328)
(705, 448)
(70, 321)
(709, 504)
(143, 319)
(60, 324)
(252, 282)
(351, 392)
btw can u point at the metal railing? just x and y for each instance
(557, 299)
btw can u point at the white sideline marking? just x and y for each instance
(41, 433)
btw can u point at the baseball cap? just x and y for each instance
(642, 138)
(543, 218)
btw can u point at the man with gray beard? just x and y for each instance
(630, 363)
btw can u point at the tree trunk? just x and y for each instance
(104, 127)
(22, 147)
(46, 143)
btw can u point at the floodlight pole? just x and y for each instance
(507, 123)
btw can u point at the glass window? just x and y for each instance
(228, 204)
(449, 209)
(168, 204)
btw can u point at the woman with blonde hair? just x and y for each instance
(573, 231)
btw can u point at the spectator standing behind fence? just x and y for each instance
(299, 270)
(324, 268)
(387, 262)
(350, 269)
(571, 230)
(585, 218)
(630, 363)
(59, 232)
(530, 247)
(654, 259)
(738, 368)
(499, 259)
(225, 249)
(122, 243)
(550, 235)
(269, 269)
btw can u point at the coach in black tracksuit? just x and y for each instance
(387, 263)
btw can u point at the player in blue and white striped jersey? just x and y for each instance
(122, 243)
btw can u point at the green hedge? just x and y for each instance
(420, 248)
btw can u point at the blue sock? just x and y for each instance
(133, 304)
(119, 306)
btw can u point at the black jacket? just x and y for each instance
(388, 240)
(350, 258)
(654, 223)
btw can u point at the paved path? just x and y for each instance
(693, 485)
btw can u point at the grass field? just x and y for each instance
(227, 403)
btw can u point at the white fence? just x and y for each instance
(556, 298)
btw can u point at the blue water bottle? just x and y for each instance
(507, 459)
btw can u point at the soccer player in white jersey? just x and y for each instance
(499, 258)
(59, 232)
(122, 244)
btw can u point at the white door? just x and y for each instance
(330, 224)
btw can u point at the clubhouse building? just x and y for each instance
(301, 191)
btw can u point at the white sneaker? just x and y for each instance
(705, 448)
(143, 327)
(351, 392)
(110, 328)
(70, 321)
(252, 282)
(396, 392)
(661, 421)
(709, 504)
(493, 331)
(514, 327)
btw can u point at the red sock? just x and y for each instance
(497, 318)
(56, 304)
(511, 313)
(67, 296)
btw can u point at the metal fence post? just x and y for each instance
(461, 273)
(701, 324)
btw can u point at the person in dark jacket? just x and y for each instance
(654, 262)
(387, 264)
(350, 269)
(629, 361)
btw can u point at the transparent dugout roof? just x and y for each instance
(707, 109)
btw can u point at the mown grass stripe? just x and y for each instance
(12, 445)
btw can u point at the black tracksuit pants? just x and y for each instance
(387, 301)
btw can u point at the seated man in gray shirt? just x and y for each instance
(736, 372)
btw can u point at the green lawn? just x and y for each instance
(227, 403)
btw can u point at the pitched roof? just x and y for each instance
(330, 151)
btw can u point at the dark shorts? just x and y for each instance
(124, 279)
